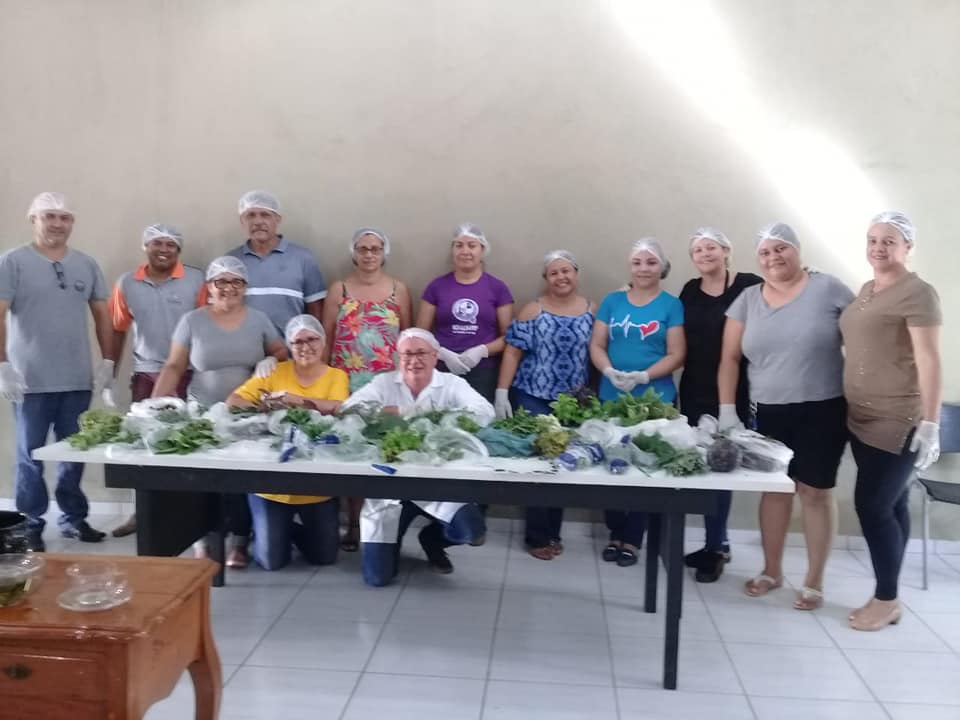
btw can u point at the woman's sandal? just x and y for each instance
(626, 558)
(808, 599)
(761, 585)
(541, 553)
(350, 542)
(611, 552)
(556, 547)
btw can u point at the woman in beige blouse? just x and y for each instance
(892, 382)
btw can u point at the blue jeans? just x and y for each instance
(317, 535)
(380, 560)
(542, 523)
(34, 417)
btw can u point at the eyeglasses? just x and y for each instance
(305, 342)
(61, 277)
(224, 283)
(361, 250)
(418, 355)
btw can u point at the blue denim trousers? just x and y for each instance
(275, 531)
(34, 417)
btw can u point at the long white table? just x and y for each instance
(179, 498)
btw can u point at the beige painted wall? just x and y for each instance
(552, 123)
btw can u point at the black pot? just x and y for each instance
(13, 532)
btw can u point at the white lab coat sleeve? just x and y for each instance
(375, 391)
(380, 521)
(461, 396)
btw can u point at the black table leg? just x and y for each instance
(654, 529)
(216, 538)
(673, 559)
(168, 522)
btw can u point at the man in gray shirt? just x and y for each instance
(285, 279)
(45, 363)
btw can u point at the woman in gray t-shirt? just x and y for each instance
(788, 329)
(223, 343)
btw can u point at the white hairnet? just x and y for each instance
(370, 231)
(227, 265)
(900, 221)
(162, 230)
(777, 231)
(47, 201)
(709, 233)
(303, 322)
(652, 246)
(258, 199)
(472, 231)
(420, 334)
(559, 255)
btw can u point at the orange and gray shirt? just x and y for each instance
(153, 309)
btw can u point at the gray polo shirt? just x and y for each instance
(153, 310)
(282, 282)
(47, 336)
(795, 351)
(222, 360)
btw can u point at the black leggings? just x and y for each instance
(881, 497)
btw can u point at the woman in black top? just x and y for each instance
(705, 302)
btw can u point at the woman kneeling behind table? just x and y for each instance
(304, 382)
(892, 382)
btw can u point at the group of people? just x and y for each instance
(792, 352)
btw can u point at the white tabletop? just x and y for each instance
(255, 456)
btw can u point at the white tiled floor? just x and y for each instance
(508, 637)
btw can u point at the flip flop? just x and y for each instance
(541, 553)
(808, 599)
(761, 585)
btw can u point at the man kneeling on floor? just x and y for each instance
(415, 388)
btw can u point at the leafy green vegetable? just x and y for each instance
(298, 416)
(467, 424)
(397, 440)
(552, 439)
(96, 427)
(434, 416)
(522, 422)
(187, 438)
(381, 423)
(669, 458)
(575, 409)
(657, 446)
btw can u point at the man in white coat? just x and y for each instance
(415, 388)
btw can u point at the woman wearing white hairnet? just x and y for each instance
(547, 353)
(638, 342)
(788, 330)
(223, 342)
(892, 382)
(363, 316)
(705, 301)
(468, 311)
(306, 381)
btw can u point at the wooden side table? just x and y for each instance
(56, 664)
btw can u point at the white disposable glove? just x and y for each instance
(12, 384)
(453, 362)
(621, 380)
(103, 375)
(639, 377)
(926, 444)
(501, 403)
(106, 395)
(265, 367)
(472, 356)
(728, 420)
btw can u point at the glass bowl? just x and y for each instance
(20, 575)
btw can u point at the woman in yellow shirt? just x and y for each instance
(305, 381)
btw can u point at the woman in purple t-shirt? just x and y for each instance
(469, 312)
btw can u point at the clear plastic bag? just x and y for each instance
(760, 452)
(677, 432)
(454, 444)
(164, 409)
(602, 432)
(237, 426)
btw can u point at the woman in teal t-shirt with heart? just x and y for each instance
(638, 343)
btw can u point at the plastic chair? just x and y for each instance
(948, 492)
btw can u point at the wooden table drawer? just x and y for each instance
(34, 674)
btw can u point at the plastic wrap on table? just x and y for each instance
(503, 443)
(759, 452)
(454, 444)
(676, 432)
(580, 455)
(279, 420)
(463, 421)
(351, 450)
(603, 432)
(237, 426)
(162, 409)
